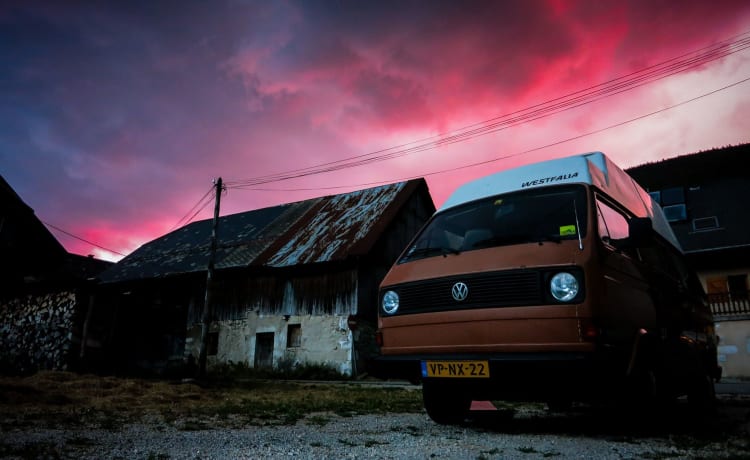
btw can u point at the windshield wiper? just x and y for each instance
(553, 238)
(430, 250)
(516, 239)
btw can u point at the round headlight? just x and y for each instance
(390, 302)
(564, 287)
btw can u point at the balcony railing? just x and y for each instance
(730, 304)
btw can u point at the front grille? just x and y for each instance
(485, 290)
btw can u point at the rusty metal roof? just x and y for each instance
(325, 229)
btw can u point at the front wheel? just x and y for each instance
(443, 404)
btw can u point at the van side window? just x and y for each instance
(612, 224)
(664, 260)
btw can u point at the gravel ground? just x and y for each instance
(530, 434)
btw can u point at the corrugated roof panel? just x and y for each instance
(338, 224)
(315, 230)
(240, 239)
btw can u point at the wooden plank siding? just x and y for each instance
(328, 293)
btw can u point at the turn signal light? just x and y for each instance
(589, 332)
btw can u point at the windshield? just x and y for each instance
(549, 214)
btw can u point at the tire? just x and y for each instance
(445, 405)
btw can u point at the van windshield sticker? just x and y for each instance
(547, 180)
(567, 230)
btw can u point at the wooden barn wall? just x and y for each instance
(236, 295)
(384, 254)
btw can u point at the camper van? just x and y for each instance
(558, 281)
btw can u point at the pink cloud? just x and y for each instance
(122, 124)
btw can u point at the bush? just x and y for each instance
(287, 369)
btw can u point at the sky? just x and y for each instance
(116, 117)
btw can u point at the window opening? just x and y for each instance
(675, 213)
(737, 286)
(672, 196)
(656, 196)
(294, 336)
(212, 344)
(613, 225)
(705, 223)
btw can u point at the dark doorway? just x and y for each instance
(264, 350)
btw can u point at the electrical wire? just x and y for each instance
(551, 107)
(183, 220)
(81, 239)
(505, 157)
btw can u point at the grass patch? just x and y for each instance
(30, 451)
(110, 403)
(286, 369)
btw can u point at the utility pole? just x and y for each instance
(206, 316)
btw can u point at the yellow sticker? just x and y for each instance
(567, 230)
(498, 202)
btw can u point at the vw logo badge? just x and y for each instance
(460, 291)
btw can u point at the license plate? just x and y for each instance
(456, 369)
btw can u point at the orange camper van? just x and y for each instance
(557, 281)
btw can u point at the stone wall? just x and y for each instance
(36, 332)
(324, 339)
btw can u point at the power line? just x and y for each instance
(198, 203)
(505, 157)
(551, 107)
(82, 239)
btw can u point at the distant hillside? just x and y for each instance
(694, 168)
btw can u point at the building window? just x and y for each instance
(656, 196)
(294, 336)
(705, 223)
(212, 344)
(672, 196)
(737, 286)
(675, 213)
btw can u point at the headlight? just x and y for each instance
(390, 302)
(564, 287)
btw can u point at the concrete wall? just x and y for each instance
(734, 348)
(36, 332)
(325, 339)
(734, 334)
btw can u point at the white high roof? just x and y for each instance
(589, 168)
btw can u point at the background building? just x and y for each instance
(705, 197)
(295, 283)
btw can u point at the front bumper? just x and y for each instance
(536, 376)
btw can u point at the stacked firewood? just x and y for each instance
(36, 332)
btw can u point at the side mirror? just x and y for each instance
(640, 232)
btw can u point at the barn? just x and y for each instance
(294, 283)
